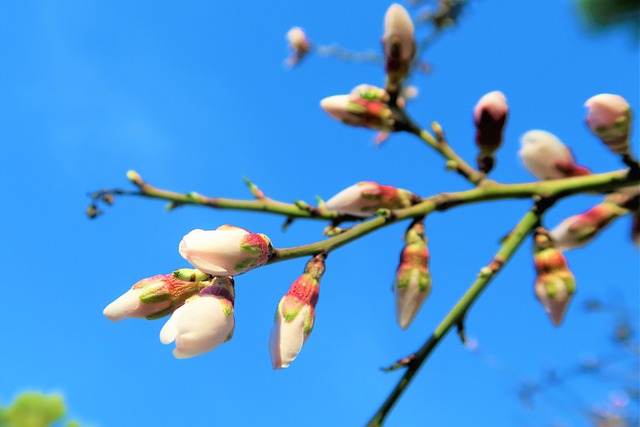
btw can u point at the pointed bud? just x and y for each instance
(152, 297)
(227, 251)
(295, 315)
(204, 321)
(546, 157)
(609, 118)
(489, 116)
(578, 230)
(299, 45)
(555, 284)
(412, 285)
(366, 106)
(399, 45)
(365, 198)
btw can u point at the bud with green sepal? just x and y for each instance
(153, 297)
(609, 118)
(295, 315)
(555, 284)
(366, 106)
(412, 284)
(365, 198)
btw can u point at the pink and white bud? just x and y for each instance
(609, 118)
(366, 106)
(299, 45)
(365, 198)
(399, 45)
(295, 315)
(578, 230)
(489, 116)
(204, 322)
(546, 157)
(152, 297)
(226, 251)
(555, 284)
(412, 285)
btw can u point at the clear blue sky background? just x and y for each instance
(194, 96)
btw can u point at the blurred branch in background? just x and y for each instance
(605, 14)
(35, 409)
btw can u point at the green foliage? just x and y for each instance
(34, 409)
(607, 13)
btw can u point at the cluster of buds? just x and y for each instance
(295, 315)
(609, 118)
(555, 284)
(546, 157)
(366, 106)
(412, 284)
(489, 116)
(399, 46)
(226, 251)
(299, 45)
(365, 198)
(578, 230)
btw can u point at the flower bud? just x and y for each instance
(489, 116)
(399, 45)
(365, 198)
(609, 118)
(555, 284)
(546, 157)
(295, 315)
(412, 285)
(204, 321)
(299, 45)
(366, 106)
(578, 230)
(227, 251)
(152, 297)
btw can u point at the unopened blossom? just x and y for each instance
(546, 157)
(555, 284)
(365, 198)
(399, 45)
(578, 230)
(204, 321)
(153, 297)
(609, 118)
(299, 45)
(295, 315)
(226, 251)
(412, 284)
(489, 116)
(366, 106)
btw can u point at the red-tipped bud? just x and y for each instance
(365, 198)
(489, 116)
(399, 45)
(295, 315)
(609, 118)
(366, 106)
(546, 157)
(555, 284)
(299, 45)
(412, 285)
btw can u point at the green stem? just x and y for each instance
(459, 310)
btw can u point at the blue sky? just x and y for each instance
(194, 96)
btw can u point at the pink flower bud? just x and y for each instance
(489, 116)
(227, 251)
(152, 297)
(578, 230)
(555, 284)
(609, 118)
(366, 106)
(365, 198)
(546, 157)
(299, 44)
(204, 322)
(295, 315)
(412, 285)
(399, 44)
